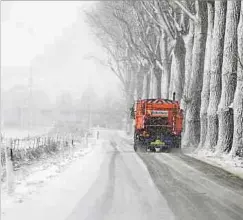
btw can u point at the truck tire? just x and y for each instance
(177, 142)
(142, 149)
(152, 149)
(135, 147)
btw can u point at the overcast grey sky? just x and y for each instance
(54, 38)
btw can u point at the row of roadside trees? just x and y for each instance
(191, 47)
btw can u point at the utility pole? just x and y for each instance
(89, 101)
(0, 138)
(90, 117)
(30, 101)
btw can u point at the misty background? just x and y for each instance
(49, 77)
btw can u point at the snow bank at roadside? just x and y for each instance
(234, 166)
(51, 189)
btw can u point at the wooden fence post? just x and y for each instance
(9, 167)
(63, 148)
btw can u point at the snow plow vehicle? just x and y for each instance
(158, 124)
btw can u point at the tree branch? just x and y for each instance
(130, 35)
(190, 15)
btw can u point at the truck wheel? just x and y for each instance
(177, 142)
(152, 149)
(146, 149)
(142, 149)
(135, 147)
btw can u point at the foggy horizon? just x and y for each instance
(54, 51)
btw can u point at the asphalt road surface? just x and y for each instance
(158, 186)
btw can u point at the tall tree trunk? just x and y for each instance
(206, 76)
(189, 40)
(129, 94)
(237, 148)
(216, 68)
(172, 76)
(225, 112)
(178, 57)
(147, 85)
(188, 67)
(157, 76)
(166, 65)
(151, 92)
(139, 82)
(153, 88)
(192, 128)
(146, 81)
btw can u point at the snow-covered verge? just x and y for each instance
(29, 150)
(226, 162)
(31, 183)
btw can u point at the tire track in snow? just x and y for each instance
(191, 199)
(101, 192)
(186, 201)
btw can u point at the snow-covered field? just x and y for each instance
(46, 186)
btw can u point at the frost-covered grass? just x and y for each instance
(43, 154)
(26, 151)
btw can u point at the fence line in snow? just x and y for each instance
(33, 147)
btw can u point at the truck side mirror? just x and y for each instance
(174, 96)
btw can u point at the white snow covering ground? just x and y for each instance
(79, 184)
(232, 165)
(107, 182)
(50, 189)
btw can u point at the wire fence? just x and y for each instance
(18, 153)
(32, 148)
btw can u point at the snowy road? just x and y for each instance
(123, 190)
(199, 193)
(159, 186)
(112, 182)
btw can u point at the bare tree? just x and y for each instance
(206, 76)
(166, 63)
(121, 58)
(160, 47)
(215, 79)
(173, 26)
(148, 37)
(229, 69)
(189, 40)
(192, 124)
(237, 147)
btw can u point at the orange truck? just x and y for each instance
(158, 124)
